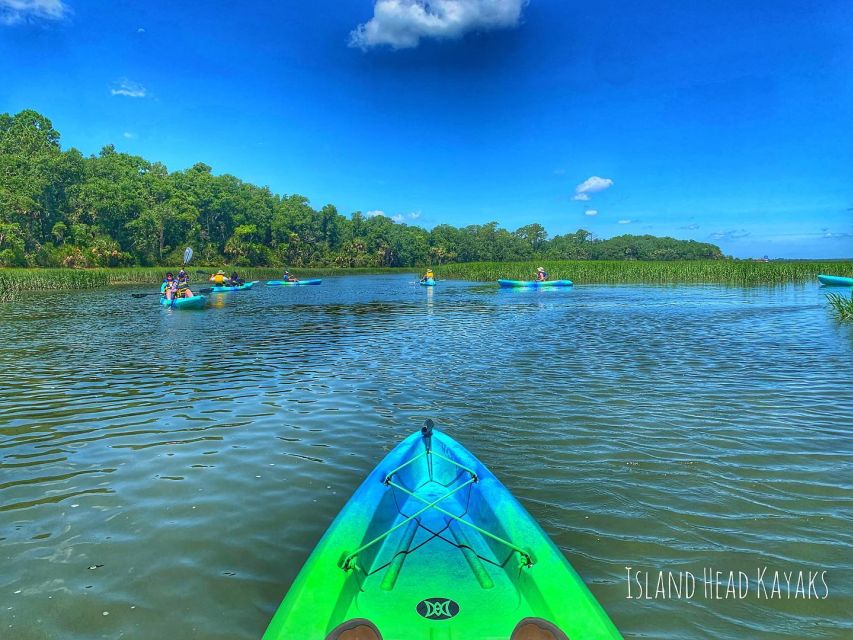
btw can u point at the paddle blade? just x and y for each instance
(188, 255)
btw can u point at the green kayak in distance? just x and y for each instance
(241, 287)
(283, 283)
(835, 281)
(534, 284)
(433, 546)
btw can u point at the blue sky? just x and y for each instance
(721, 121)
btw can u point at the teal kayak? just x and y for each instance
(429, 282)
(534, 284)
(431, 546)
(281, 283)
(836, 281)
(223, 288)
(195, 302)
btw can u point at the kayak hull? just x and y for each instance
(835, 281)
(282, 283)
(534, 284)
(195, 302)
(428, 283)
(223, 289)
(408, 554)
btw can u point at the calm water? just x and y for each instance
(164, 474)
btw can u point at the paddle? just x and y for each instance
(188, 255)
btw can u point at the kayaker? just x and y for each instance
(289, 278)
(168, 288)
(182, 286)
(428, 276)
(236, 281)
(541, 274)
(219, 278)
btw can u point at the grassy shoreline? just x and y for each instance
(746, 273)
(636, 272)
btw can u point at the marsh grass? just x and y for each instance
(842, 306)
(734, 272)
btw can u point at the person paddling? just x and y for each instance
(541, 274)
(219, 278)
(236, 281)
(288, 277)
(168, 286)
(182, 285)
(428, 276)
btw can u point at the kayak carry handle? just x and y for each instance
(426, 433)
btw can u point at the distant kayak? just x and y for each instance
(429, 282)
(282, 283)
(194, 302)
(836, 281)
(223, 288)
(534, 284)
(433, 545)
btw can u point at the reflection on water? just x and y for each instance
(164, 474)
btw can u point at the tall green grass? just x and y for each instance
(14, 281)
(733, 272)
(842, 306)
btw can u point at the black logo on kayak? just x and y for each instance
(438, 608)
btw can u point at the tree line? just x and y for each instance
(59, 208)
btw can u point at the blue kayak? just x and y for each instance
(224, 288)
(282, 283)
(194, 302)
(429, 282)
(534, 284)
(836, 281)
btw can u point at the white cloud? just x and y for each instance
(730, 235)
(402, 23)
(129, 135)
(128, 88)
(591, 212)
(625, 221)
(398, 218)
(15, 11)
(140, 30)
(414, 215)
(593, 184)
(375, 212)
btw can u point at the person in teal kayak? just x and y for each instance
(287, 277)
(176, 288)
(167, 288)
(429, 275)
(183, 285)
(236, 280)
(541, 274)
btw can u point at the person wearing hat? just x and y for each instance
(218, 278)
(541, 275)
(429, 275)
(169, 286)
(288, 277)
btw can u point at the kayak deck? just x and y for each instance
(835, 281)
(433, 546)
(534, 284)
(282, 283)
(223, 289)
(193, 302)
